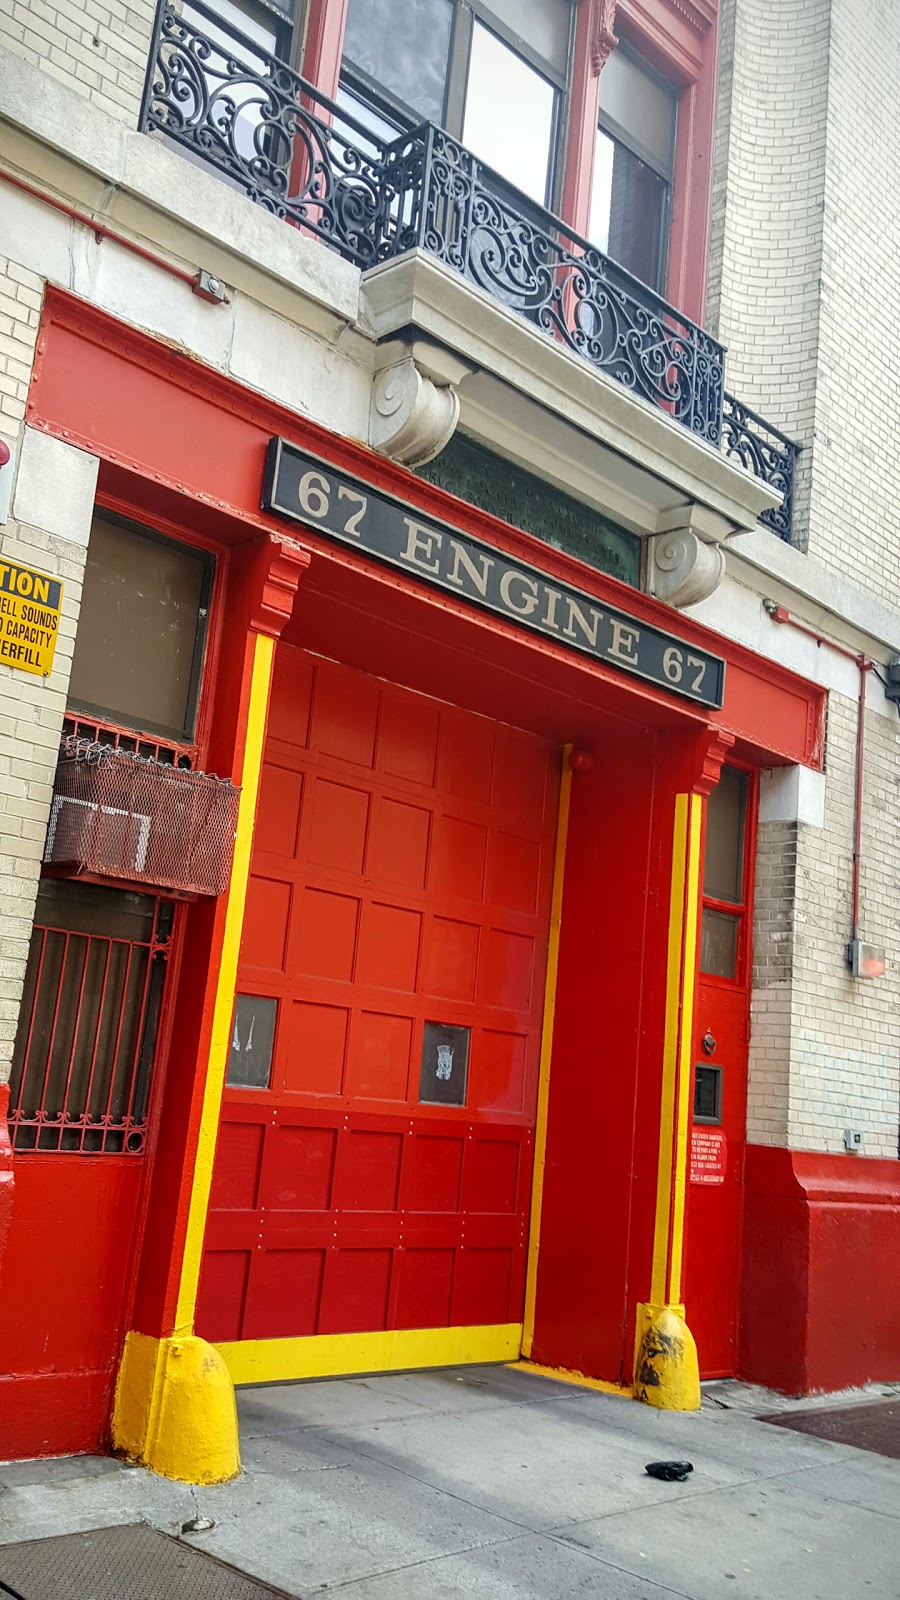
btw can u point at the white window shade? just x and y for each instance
(641, 107)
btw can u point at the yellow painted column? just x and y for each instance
(174, 1407)
(261, 676)
(666, 1368)
(543, 1100)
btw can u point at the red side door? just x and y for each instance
(721, 1038)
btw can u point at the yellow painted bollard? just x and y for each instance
(667, 1373)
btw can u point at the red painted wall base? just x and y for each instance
(63, 1279)
(820, 1304)
(55, 1414)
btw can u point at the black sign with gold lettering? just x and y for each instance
(306, 490)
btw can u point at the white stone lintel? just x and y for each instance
(792, 794)
(55, 487)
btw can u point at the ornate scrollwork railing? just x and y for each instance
(230, 104)
(225, 99)
(458, 210)
(768, 454)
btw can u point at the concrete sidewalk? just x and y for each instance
(496, 1482)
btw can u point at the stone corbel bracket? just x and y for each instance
(411, 417)
(685, 562)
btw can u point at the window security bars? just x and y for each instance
(81, 1067)
(232, 105)
(768, 454)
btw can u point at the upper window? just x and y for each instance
(723, 875)
(634, 166)
(141, 630)
(493, 75)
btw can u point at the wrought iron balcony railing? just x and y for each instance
(461, 212)
(768, 454)
(234, 106)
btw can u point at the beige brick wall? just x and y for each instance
(32, 708)
(767, 218)
(20, 306)
(773, 967)
(805, 237)
(853, 519)
(825, 1049)
(99, 47)
(846, 1051)
(805, 293)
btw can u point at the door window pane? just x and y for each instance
(510, 114)
(252, 1042)
(629, 203)
(402, 46)
(445, 1065)
(141, 629)
(718, 943)
(724, 866)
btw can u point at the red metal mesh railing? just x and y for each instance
(117, 814)
(165, 751)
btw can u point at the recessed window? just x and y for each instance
(252, 1042)
(634, 166)
(707, 1094)
(509, 114)
(445, 1065)
(243, 34)
(141, 630)
(724, 865)
(402, 46)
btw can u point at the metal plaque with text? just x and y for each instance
(306, 490)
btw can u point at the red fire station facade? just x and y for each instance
(438, 1076)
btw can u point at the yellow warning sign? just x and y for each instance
(30, 605)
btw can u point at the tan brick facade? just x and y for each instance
(824, 1049)
(801, 293)
(32, 708)
(99, 50)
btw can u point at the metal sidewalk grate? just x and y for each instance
(131, 1563)
(874, 1427)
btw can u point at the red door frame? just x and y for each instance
(741, 984)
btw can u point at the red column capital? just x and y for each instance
(269, 570)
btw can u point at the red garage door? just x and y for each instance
(374, 1159)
